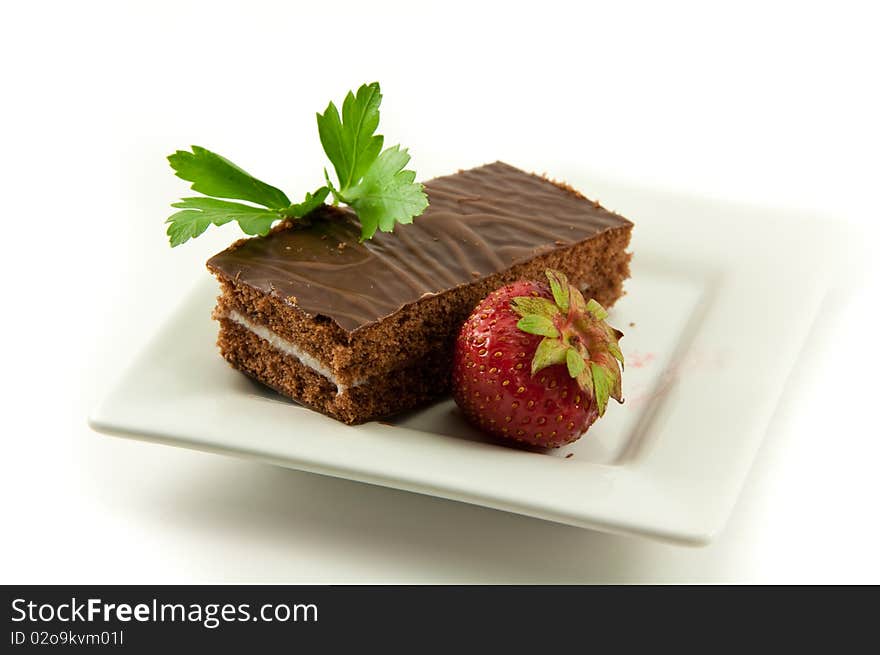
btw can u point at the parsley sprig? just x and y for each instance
(372, 181)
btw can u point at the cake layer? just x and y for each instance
(598, 265)
(376, 397)
(285, 346)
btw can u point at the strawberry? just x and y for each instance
(536, 363)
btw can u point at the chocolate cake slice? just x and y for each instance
(361, 331)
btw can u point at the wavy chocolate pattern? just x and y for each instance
(479, 222)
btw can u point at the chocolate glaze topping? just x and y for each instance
(479, 222)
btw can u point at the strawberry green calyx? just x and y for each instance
(575, 335)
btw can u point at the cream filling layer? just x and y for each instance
(290, 349)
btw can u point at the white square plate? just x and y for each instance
(719, 304)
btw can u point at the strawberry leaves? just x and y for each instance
(576, 335)
(596, 310)
(602, 385)
(535, 305)
(549, 352)
(535, 324)
(559, 288)
(574, 362)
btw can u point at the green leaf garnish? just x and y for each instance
(198, 213)
(373, 182)
(216, 176)
(310, 204)
(387, 194)
(349, 142)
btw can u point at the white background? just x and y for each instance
(769, 103)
